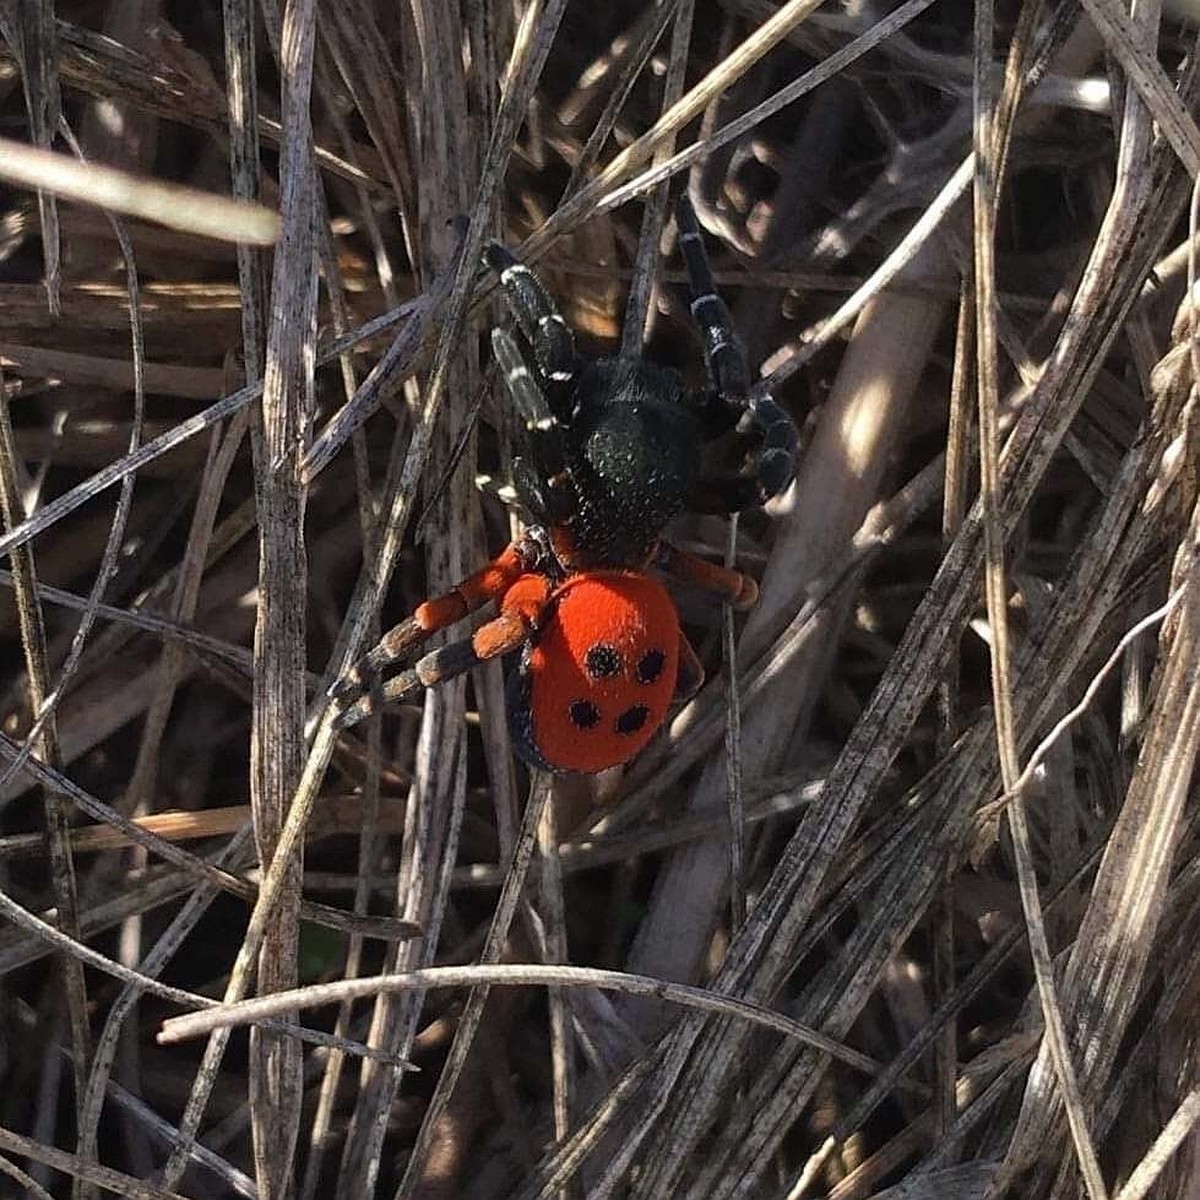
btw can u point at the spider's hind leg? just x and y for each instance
(775, 459)
(732, 586)
(543, 326)
(521, 612)
(360, 691)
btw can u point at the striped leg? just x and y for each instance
(757, 418)
(726, 360)
(772, 444)
(521, 612)
(544, 485)
(359, 692)
(542, 324)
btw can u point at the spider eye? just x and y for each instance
(650, 666)
(603, 661)
(632, 719)
(584, 714)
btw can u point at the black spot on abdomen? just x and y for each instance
(603, 661)
(650, 666)
(584, 714)
(632, 719)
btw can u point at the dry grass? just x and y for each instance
(945, 949)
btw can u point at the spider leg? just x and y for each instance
(765, 428)
(736, 492)
(361, 683)
(771, 442)
(739, 590)
(542, 324)
(436, 667)
(522, 388)
(723, 351)
(544, 485)
(775, 460)
(521, 613)
(729, 404)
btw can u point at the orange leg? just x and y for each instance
(740, 590)
(427, 618)
(474, 592)
(521, 611)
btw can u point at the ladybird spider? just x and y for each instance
(611, 455)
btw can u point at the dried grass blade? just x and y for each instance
(277, 743)
(825, 70)
(989, 157)
(1111, 953)
(490, 973)
(29, 29)
(839, 480)
(734, 774)
(445, 134)
(116, 534)
(189, 383)
(1131, 49)
(401, 489)
(113, 543)
(81, 1170)
(385, 928)
(731, 68)
(540, 791)
(646, 261)
(45, 744)
(45, 710)
(74, 498)
(954, 502)
(1183, 1121)
(965, 1181)
(1130, 240)
(52, 936)
(555, 951)
(151, 966)
(352, 34)
(1041, 1105)
(359, 23)
(650, 28)
(176, 207)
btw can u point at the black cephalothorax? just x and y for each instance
(613, 445)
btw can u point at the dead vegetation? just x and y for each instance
(905, 912)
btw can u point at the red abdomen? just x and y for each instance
(602, 673)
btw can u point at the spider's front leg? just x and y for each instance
(771, 442)
(542, 325)
(361, 691)
(543, 482)
(729, 403)
(722, 349)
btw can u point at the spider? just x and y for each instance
(611, 453)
